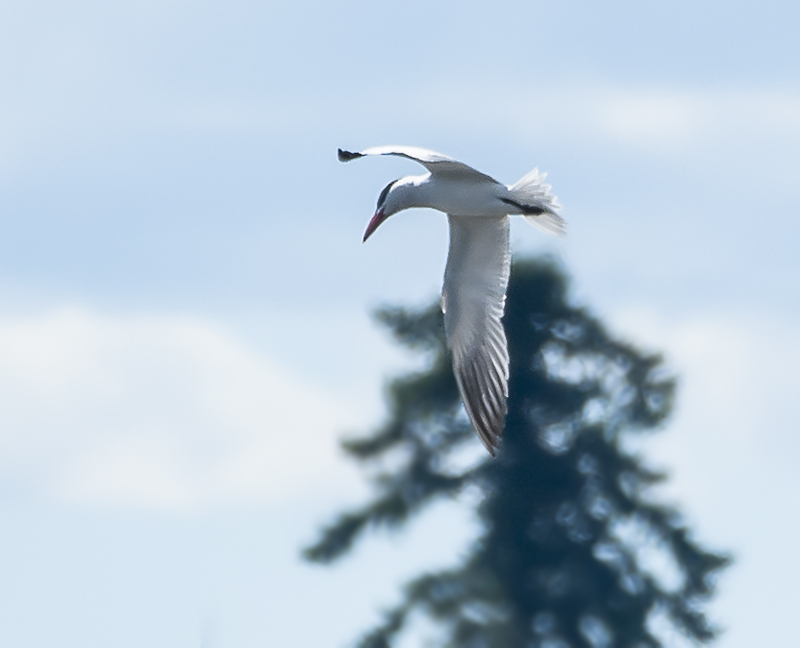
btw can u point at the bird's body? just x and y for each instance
(478, 266)
(454, 194)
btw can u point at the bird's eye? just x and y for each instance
(384, 193)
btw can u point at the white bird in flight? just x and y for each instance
(478, 265)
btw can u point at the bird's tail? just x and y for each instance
(531, 192)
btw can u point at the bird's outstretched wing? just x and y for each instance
(473, 298)
(434, 162)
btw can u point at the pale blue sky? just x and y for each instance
(182, 274)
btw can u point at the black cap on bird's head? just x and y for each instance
(380, 211)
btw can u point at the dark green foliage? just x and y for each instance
(565, 507)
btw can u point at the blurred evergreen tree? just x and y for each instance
(565, 507)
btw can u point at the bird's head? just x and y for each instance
(395, 197)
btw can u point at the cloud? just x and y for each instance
(664, 119)
(745, 123)
(157, 411)
(96, 108)
(738, 377)
(655, 119)
(88, 78)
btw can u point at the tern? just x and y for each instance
(478, 265)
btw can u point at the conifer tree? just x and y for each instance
(566, 508)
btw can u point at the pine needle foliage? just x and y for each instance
(567, 514)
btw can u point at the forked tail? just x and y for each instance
(531, 192)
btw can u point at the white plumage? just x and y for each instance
(478, 265)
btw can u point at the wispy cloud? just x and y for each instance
(157, 411)
(629, 119)
(738, 380)
(680, 119)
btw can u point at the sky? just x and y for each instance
(185, 329)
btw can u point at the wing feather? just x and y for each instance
(431, 160)
(473, 298)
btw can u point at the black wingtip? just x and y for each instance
(346, 156)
